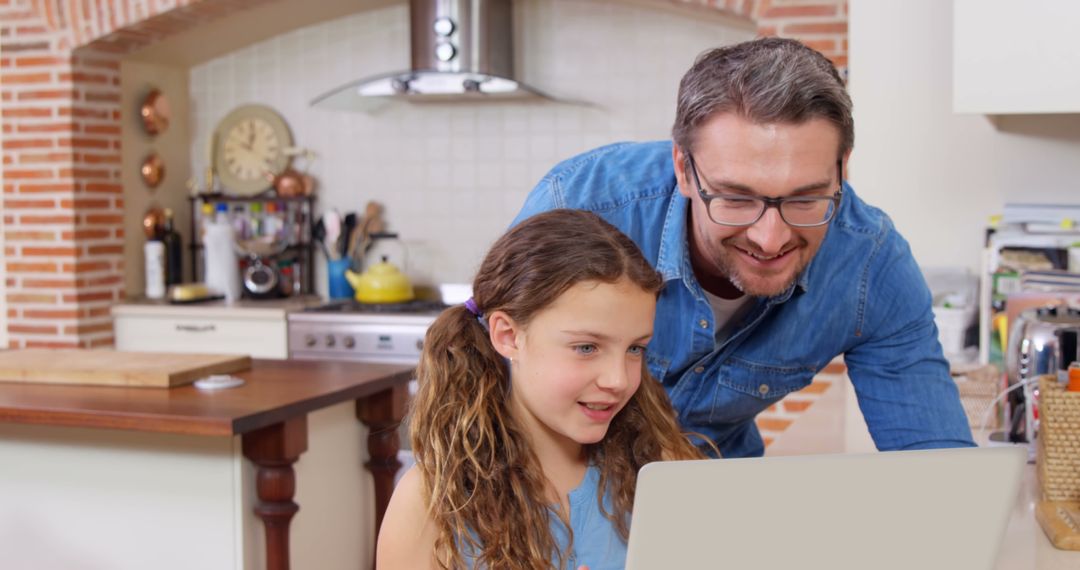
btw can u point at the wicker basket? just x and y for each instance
(978, 387)
(1058, 461)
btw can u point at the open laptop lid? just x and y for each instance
(904, 509)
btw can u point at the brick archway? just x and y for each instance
(60, 94)
(63, 204)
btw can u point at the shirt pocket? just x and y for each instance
(765, 381)
(745, 388)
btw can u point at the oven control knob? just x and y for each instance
(348, 342)
(330, 341)
(420, 345)
(309, 340)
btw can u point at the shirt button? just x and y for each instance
(704, 324)
(763, 389)
(699, 369)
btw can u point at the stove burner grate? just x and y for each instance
(353, 306)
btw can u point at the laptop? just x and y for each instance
(899, 510)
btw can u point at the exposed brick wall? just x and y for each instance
(820, 24)
(60, 95)
(62, 203)
(773, 422)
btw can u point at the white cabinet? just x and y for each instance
(130, 500)
(334, 529)
(257, 331)
(1015, 57)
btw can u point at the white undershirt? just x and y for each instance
(725, 312)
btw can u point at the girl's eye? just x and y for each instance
(585, 348)
(636, 350)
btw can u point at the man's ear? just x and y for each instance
(504, 334)
(678, 157)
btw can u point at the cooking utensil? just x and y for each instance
(288, 184)
(155, 112)
(354, 241)
(381, 282)
(348, 226)
(372, 224)
(318, 235)
(262, 246)
(152, 170)
(332, 221)
(154, 223)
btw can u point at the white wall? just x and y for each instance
(452, 177)
(941, 175)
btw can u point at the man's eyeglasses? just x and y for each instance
(746, 210)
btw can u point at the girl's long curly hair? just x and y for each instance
(484, 485)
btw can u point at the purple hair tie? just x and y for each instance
(470, 306)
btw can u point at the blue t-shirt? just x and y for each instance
(596, 542)
(862, 296)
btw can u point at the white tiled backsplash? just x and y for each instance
(452, 176)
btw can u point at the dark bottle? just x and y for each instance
(174, 272)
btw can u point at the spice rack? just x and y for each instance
(286, 220)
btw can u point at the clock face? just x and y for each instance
(250, 149)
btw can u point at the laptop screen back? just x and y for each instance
(903, 510)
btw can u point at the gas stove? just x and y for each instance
(363, 332)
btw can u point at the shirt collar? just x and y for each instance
(803, 283)
(673, 261)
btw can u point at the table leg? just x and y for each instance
(273, 450)
(382, 414)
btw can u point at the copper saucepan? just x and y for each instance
(155, 112)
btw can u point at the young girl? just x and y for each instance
(535, 410)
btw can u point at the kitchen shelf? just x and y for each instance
(299, 211)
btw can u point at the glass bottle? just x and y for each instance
(174, 268)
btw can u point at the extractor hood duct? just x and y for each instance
(462, 50)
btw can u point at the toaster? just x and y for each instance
(1041, 341)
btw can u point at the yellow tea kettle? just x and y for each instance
(381, 283)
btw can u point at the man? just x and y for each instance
(773, 266)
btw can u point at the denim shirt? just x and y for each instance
(862, 296)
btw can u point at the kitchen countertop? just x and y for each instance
(275, 390)
(270, 308)
(833, 425)
(266, 420)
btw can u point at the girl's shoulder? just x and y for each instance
(407, 536)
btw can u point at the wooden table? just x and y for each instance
(269, 412)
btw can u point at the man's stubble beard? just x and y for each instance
(722, 259)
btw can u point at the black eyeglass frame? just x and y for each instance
(770, 202)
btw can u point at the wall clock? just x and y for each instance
(250, 149)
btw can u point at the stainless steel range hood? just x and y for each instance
(462, 50)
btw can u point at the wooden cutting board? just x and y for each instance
(114, 368)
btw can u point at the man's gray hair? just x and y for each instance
(767, 80)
